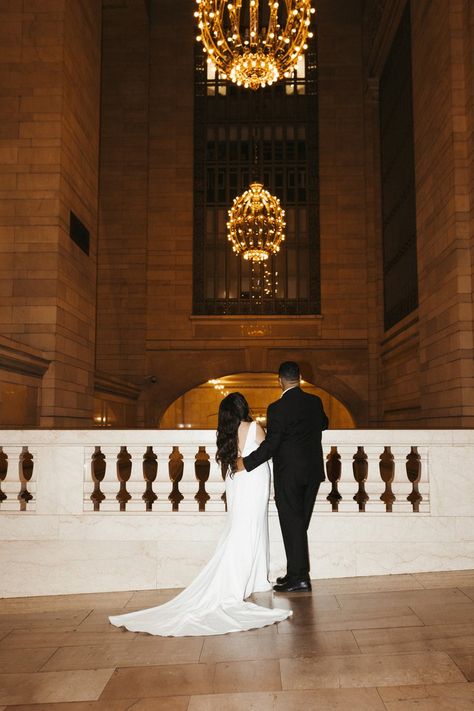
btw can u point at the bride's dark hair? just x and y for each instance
(233, 410)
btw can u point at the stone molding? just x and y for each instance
(18, 358)
(105, 383)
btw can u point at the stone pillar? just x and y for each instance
(442, 117)
(123, 203)
(49, 99)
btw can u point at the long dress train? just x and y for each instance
(214, 602)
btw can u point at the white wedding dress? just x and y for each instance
(214, 602)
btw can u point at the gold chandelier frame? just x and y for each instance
(254, 56)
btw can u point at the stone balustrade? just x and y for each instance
(113, 509)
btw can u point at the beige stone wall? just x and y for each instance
(422, 369)
(420, 373)
(49, 99)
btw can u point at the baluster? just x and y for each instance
(224, 495)
(98, 466)
(3, 472)
(124, 470)
(202, 468)
(150, 470)
(333, 469)
(176, 470)
(387, 473)
(413, 466)
(360, 469)
(25, 463)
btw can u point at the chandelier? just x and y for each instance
(256, 224)
(264, 50)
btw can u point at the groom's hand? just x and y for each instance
(240, 465)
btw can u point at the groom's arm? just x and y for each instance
(271, 442)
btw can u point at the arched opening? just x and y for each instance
(197, 408)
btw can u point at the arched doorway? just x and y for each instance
(197, 408)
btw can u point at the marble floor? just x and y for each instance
(388, 643)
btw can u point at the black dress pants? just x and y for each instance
(294, 499)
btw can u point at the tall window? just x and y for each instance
(398, 179)
(271, 135)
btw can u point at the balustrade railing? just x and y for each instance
(173, 471)
(101, 510)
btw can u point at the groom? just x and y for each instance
(294, 426)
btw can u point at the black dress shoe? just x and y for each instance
(282, 580)
(296, 586)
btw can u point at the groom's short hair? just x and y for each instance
(289, 371)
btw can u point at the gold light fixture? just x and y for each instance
(256, 224)
(266, 50)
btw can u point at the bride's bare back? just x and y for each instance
(243, 431)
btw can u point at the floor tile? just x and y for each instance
(23, 639)
(99, 618)
(172, 680)
(351, 620)
(190, 679)
(434, 637)
(142, 599)
(446, 579)
(465, 663)
(147, 651)
(247, 676)
(321, 699)
(123, 705)
(317, 642)
(315, 601)
(276, 646)
(445, 614)
(24, 661)
(50, 603)
(369, 670)
(413, 636)
(409, 598)
(53, 687)
(372, 583)
(439, 697)
(67, 619)
(169, 703)
(242, 646)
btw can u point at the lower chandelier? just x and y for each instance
(256, 224)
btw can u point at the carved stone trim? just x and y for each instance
(257, 327)
(17, 358)
(113, 386)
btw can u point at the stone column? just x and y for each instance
(49, 98)
(442, 115)
(123, 204)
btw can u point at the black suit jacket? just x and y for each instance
(294, 426)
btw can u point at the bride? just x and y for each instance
(214, 603)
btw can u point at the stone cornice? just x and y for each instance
(105, 383)
(18, 358)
